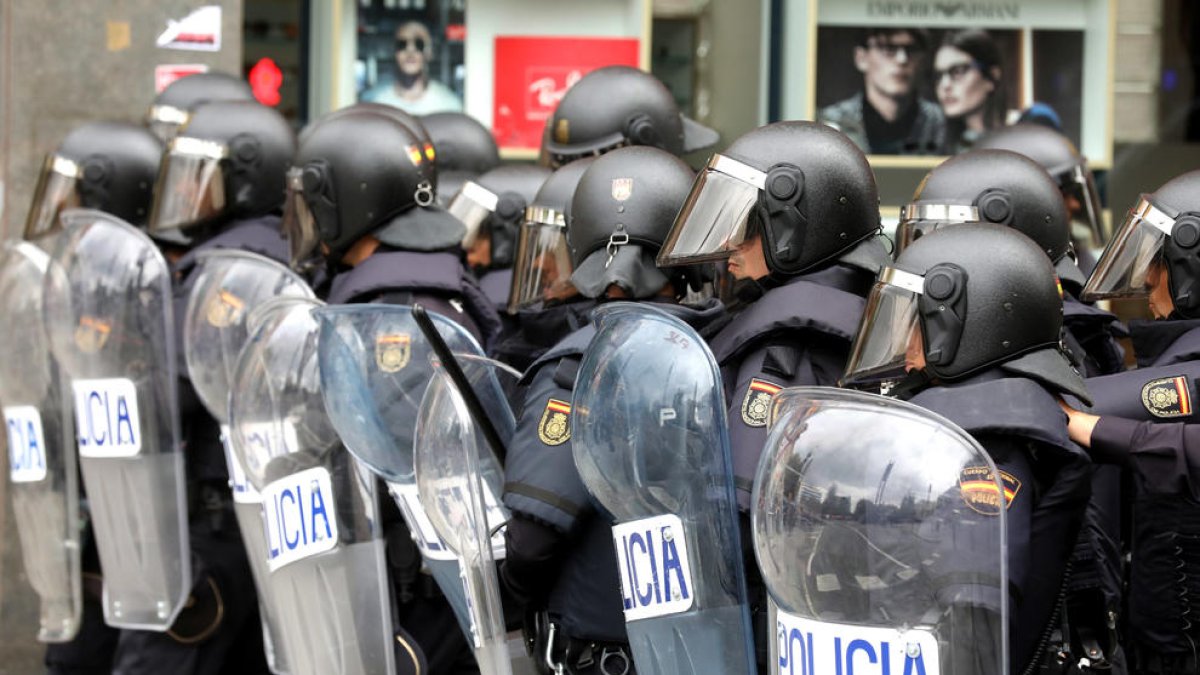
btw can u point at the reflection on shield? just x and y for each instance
(392, 352)
(224, 310)
(91, 334)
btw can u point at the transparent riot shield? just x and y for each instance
(879, 531)
(375, 366)
(327, 576)
(226, 286)
(652, 446)
(458, 479)
(42, 464)
(107, 310)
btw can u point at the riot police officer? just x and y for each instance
(110, 167)
(464, 149)
(616, 106)
(492, 207)
(1153, 255)
(173, 104)
(560, 559)
(360, 190)
(973, 314)
(544, 304)
(220, 185)
(998, 186)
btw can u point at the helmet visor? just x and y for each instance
(918, 220)
(715, 216)
(1124, 269)
(1083, 202)
(472, 205)
(191, 184)
(165, 121)
(299, 225)
(559, 154)
(56, 191)
(889, 337)
(542, 269)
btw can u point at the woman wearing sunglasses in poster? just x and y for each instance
(412, 90)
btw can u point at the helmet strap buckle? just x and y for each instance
(615, 241)
(423, 195)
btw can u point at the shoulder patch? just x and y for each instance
(1168, 397)
(392, 352)
(555, 426)
(756, 406)
(979, 490)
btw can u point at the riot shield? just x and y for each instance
(42, 466)
(108, 314)
(458, 479)
(327, 576)
(375, 366)
(651, 443)
(879, 530)
(226, 286)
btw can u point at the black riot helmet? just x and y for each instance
(414, 124)
(1161, 231)
(465, 149)
(1058, 156)
(994, 186)
(492, 207)
(967, 299)
(618, 219)
(542, 268)
(172, 106)
(229, 161)
(363, 174)
(107, 166)
(616, 106)
(804, 187)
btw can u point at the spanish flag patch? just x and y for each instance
(756, 406)
(555, 427)
(1168, 397)
(979, 490)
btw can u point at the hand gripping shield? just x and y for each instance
(375, 367)
(458, 480)
(652, 446)
(227, 286)
(108, 314)
(327, 576)
(879, 530)
(42, 463)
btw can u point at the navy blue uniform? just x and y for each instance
(1137, 409)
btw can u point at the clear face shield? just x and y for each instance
(299, 225)
(191, 184)
(1083, 203)
(889, 342)
(1124, 269)
(715, 217)
(165, 121)
(918, 220)
(473, 205)
(542, 269)
(56, 191)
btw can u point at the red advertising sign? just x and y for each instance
(166, 74)
(533, 73)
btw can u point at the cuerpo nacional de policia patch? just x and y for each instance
(392, 352)
(979, 490)
(757, 404)
(555, 427)
(1168, 397)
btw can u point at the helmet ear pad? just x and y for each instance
(1181, 253)
(943, 311)
(317, 180)
(783, 218)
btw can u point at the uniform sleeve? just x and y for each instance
(531, 563)
(542, 483)
(759, 376)
(1166, 456)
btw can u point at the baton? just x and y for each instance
(459, 378)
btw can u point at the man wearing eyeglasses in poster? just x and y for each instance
(888, 117)
(413, 90)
